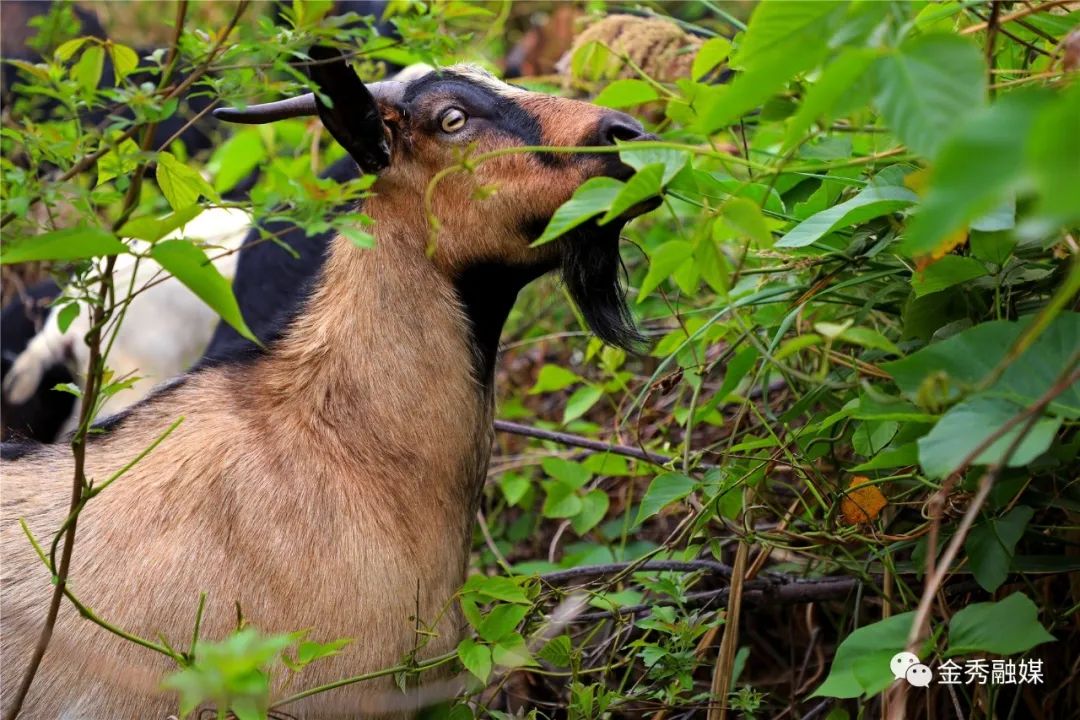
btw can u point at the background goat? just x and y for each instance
(166, 329)
(331, 482)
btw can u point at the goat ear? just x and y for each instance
(354, 119)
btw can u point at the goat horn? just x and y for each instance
(300, 106)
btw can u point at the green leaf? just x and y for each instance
(869, 338)
(1054, 156)
(927, 85)
(978, 165)
(476, 658)
(67, 315)
(626, 93)
(861, 664)
(1006, 627)
(592, 198)
(667, 258)
(639, 158)
(501, 621)
(594, 507)
(235, 158)
(87, 71)
(76, 243)
(580, 401)
(646, 183)
(767, 60)
(309, 651)
(120, 160)
(561, 501)
(824, 95)
(511, 652)
(189, 264)
(152, 229)
(872, 202)
(557, 651)
(124, 60)
(67, 50)
(946, 272)
(664, 490)
(496, 587)
(967, 425)
(180, 184)
(745, 218)
(711, 53)
(553, 377)
(569, 473)
(990, 546)
(514, 486)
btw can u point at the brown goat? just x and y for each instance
(331, 482)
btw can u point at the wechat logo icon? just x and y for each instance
(906, 666)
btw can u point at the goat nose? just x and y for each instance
(620, 126)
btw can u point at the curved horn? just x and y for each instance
(300, 106)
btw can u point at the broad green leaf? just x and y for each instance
(67, 50)
(667, 258)
(124, 60)
(235, 158)
(766, 58)
(569, 473)
(664, 490)
(592, 198)
(476, 658)
(872, 202)
(1006, 627)
(626, 93)
(71, 244)
(309, 651)
(646, 183)
(967, 425)
(969, 357)
(553, 377)
(67, 315)
(557, 651)
(837, 79)
(152, 229)
(87, 71)
(1054, 156)
(638, 158)
(711, 53)
(180, 184)
(946, 272)
(512, 652)
(980, 162)
(580, 401)
(496, 587)
(120, 160)
(992, 247)
(561, 501)
(189, 264)
(861, 664)
(594, 506)
(514, 486)
(990, 546)
(501, 621)
(927, 86)
(745, 218)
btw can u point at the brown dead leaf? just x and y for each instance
(862, 502)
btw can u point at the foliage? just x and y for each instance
(862, 284)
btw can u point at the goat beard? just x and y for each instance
(594, 275)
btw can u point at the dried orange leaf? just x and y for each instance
(862, 502)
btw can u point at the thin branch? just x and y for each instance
(562, 438)
(1016, 15)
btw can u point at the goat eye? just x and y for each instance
(453, 120)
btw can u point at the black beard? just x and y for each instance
(593, 273)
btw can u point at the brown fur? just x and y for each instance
(330, 484)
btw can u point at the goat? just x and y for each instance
(165, 331)
(331, 482)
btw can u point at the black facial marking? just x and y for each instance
(487, 292)
(480, 101)
(18, 449)
(591, 269)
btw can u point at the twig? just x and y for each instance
(1016, 15)
(514, 428)
(600, 571)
